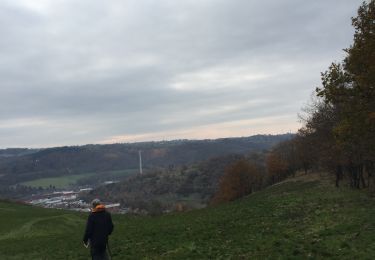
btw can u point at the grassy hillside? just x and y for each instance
(305, 217)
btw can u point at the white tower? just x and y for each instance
(140, 162)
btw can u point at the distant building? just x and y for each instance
(110, 182)
(85, 190)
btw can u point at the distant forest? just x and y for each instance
(19, 165)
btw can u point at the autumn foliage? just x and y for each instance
(239, 179)
(277, 168)
(341, 124)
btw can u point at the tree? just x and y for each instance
(239, 180)
(277, 168)
(343, 125)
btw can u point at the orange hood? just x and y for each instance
(99, 208)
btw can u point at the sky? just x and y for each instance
(94, 71)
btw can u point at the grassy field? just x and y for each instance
(302, 218)
(62, 182)
(59, 182)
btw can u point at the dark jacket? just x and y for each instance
(99, 226)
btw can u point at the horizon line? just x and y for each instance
(140, 142)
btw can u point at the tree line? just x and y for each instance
(338, 132)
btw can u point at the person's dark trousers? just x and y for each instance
(99, 254)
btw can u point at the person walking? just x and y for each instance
(98, 227)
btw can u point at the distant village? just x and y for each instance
(70, 200)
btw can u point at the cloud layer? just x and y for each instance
(77, 72)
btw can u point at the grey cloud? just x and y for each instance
(90, 70)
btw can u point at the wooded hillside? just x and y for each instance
(61, 161)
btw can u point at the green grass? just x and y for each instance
(298, 219)
(62, 182)
(59, 182)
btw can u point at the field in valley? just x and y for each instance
(67, 181)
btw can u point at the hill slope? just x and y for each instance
(300, 218)
(61, 161)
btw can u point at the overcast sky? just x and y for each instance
(89, 71)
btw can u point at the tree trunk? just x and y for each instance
(360, 169)
(369, 165)
(338, 174)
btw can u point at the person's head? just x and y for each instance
(95, 203)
